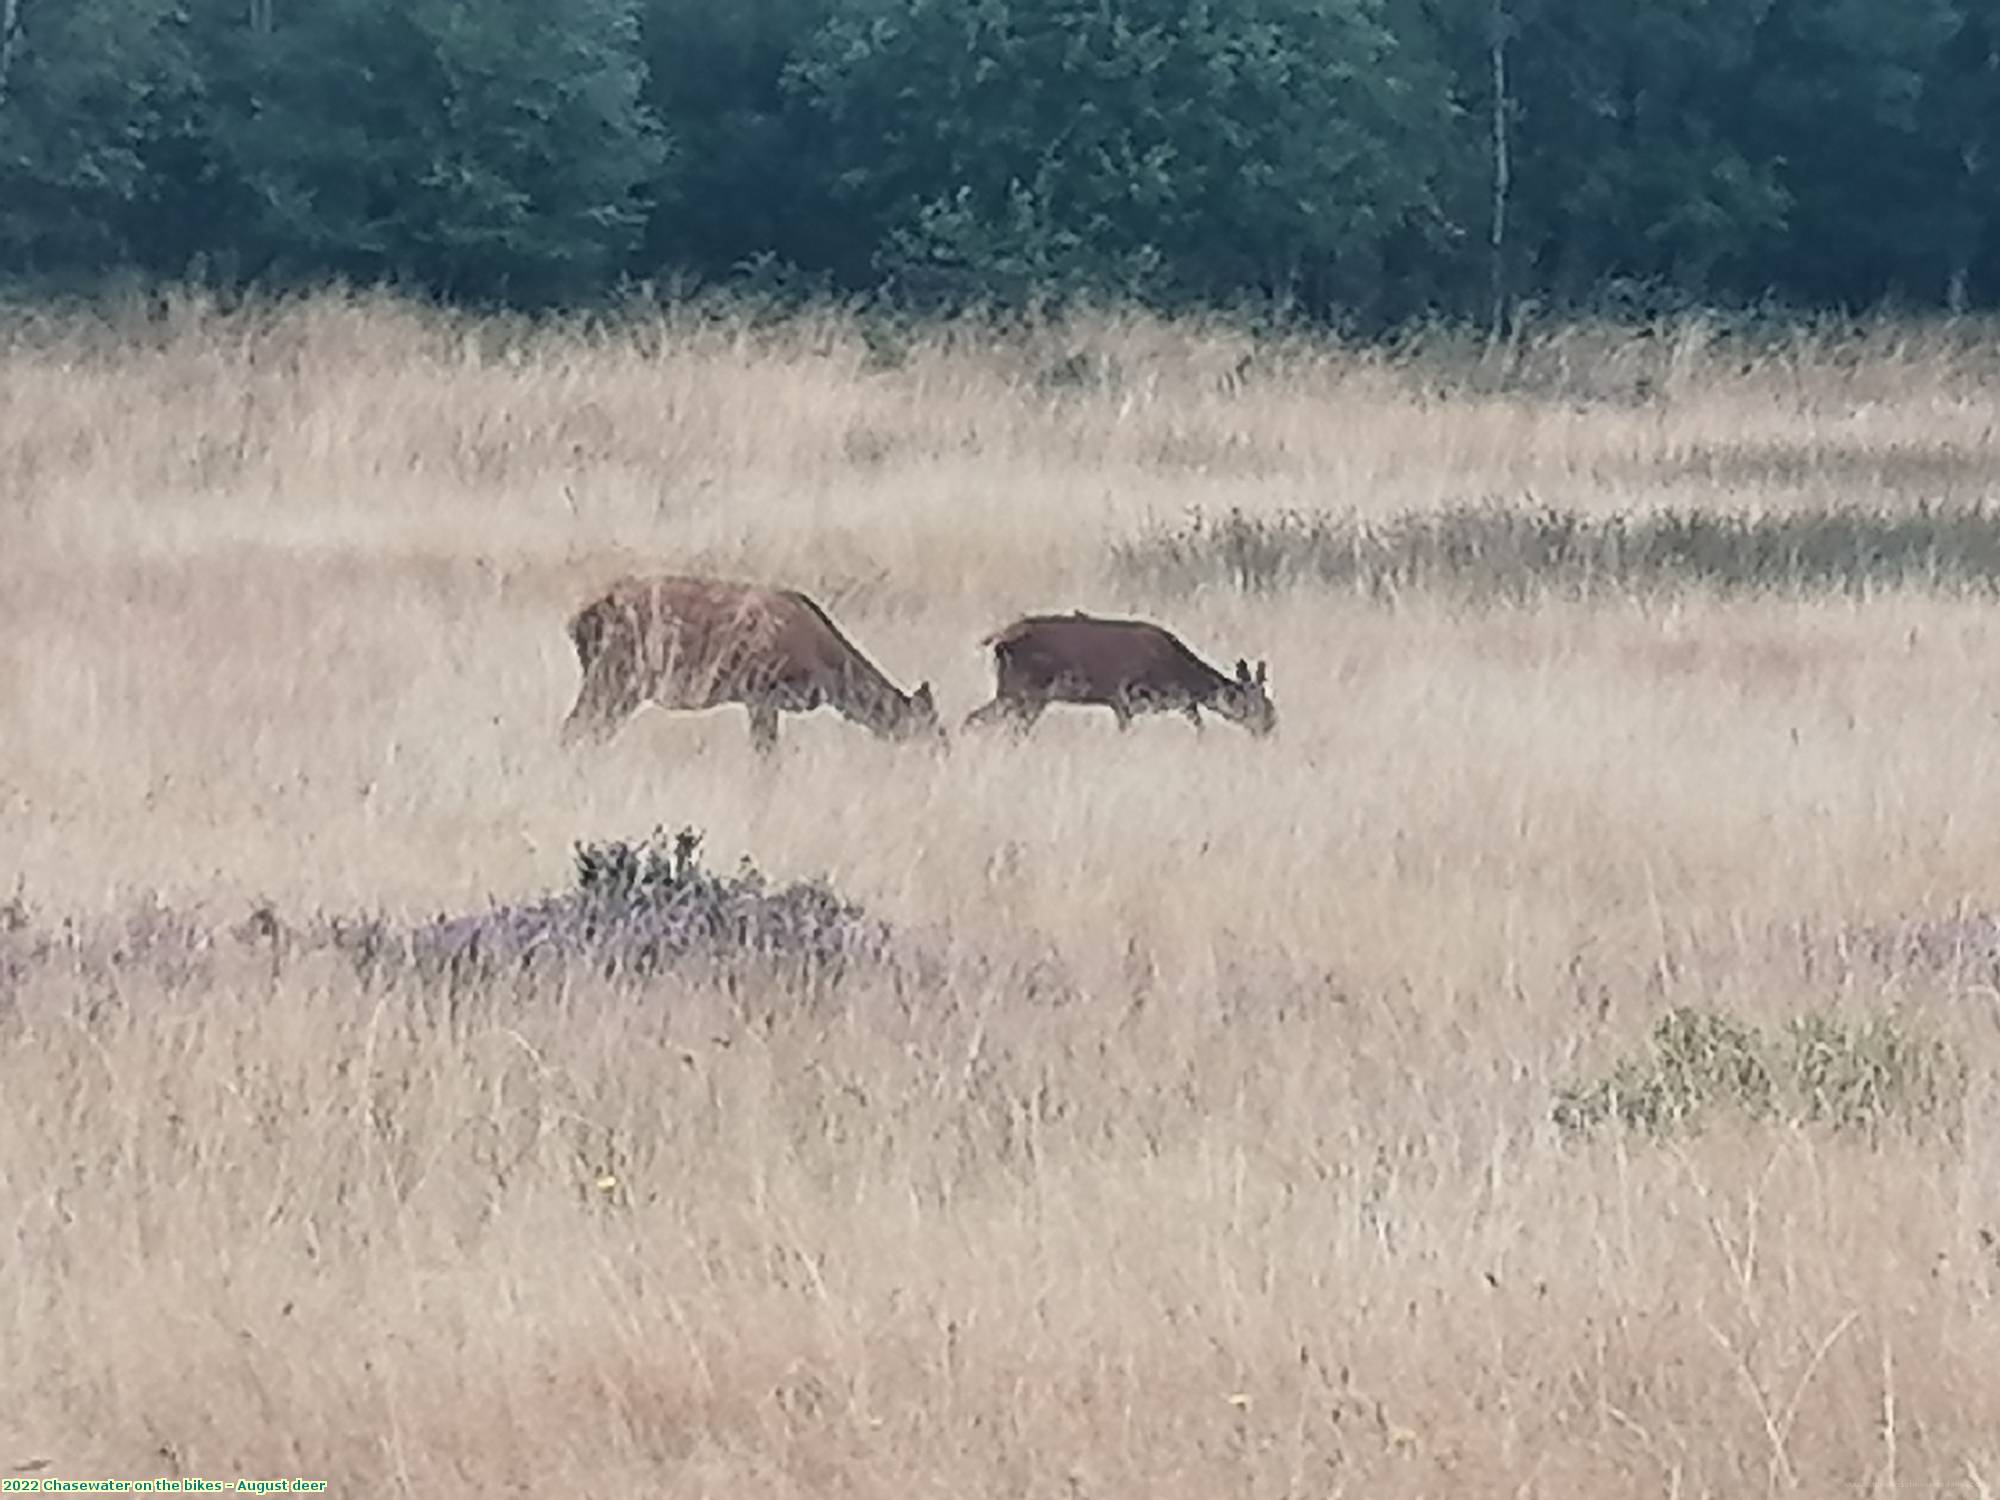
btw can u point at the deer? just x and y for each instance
(1129, 666)
(690, 643)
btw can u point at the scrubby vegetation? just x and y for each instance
(1816, 1070)
(638, 912)
(639, 909)
(1499, 551)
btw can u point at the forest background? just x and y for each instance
(1365, 161)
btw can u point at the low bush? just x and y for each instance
(633, 911)
(1817, 1070)
(636, 910)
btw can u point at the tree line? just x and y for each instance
(1370, 160)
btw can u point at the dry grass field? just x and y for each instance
(1194, 1130)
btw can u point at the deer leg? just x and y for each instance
(1122, 710)
(763, 727)
(1193, 712)
(986, 713)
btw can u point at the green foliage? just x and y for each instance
(85, 85)
(1697, 1061)
(1496, 552)
(1629, 166)
(1880, 121)
(1330, 157)
(490, 151)
(746, 188)
(1857, 1077)
(1003, 148)
(1818, 1070)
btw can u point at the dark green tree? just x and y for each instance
(85, 85)
(1877, 116)
(746, 186)
(1343, 156)
(1160, 148)
(488, 151)
(1961, 116)
(1628, 162)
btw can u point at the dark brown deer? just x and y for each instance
(694, 643)
(1128, 666)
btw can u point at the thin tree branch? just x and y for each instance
(1502, 175)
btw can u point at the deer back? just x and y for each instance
(1100, 658)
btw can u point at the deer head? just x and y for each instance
(919, 718)
(1247, 699)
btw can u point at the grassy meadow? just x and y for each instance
(1562, 1061)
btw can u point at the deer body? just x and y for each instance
(1128, 666)
(696, 643)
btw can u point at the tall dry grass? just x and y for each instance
(1210, 1150)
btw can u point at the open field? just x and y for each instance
(1196, 1132)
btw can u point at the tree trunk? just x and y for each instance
(10, 36)
(1502, 178)
(1964, 231)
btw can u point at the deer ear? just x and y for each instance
(922, 696)
(1242, 670)
(1262, 676)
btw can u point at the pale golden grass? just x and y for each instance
(1260, 1194)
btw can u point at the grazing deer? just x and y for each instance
(1129, 666)
(693, 643)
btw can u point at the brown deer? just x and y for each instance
(694, 643)
(1129, 666)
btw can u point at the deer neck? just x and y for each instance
(1218, 698)
(870, 701)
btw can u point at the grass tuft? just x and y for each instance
(1490, 551)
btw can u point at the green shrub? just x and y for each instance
(1817, 1070)
(1858, 1077)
